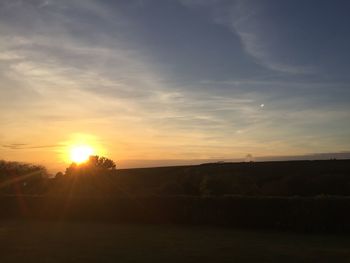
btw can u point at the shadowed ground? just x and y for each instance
(91, 242)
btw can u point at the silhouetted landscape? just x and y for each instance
(174, 131)
(243, 203)
(304, 196)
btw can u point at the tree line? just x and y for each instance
(99, 175)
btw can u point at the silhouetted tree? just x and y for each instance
(249, 158)
(59, 175)
(16, 177)
(96, 165)
(101, 162)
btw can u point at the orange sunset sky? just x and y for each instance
(149, 83)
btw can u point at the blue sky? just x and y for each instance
(180, 79)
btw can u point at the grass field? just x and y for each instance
(90, 242)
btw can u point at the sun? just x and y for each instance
(81, 153)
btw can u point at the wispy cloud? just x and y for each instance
(255, 47)
(23, 146)
(246, 22)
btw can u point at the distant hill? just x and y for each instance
(277, 178)
(128, 164)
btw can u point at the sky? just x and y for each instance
(157, 82)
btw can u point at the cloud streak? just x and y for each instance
(23, 146)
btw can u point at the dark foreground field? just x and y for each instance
(23, 241)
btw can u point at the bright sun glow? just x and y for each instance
(80, 153)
